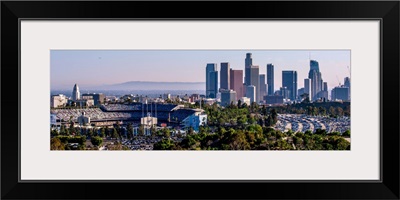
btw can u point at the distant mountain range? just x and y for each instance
(150, 85)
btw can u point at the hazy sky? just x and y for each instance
(102, 67)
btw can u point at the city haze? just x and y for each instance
(98, 69)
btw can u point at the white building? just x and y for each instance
(76, 94)
(59, 100)
(245, 100)
(83, 119)
(196, 120)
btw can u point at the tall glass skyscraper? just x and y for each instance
(225, 76)
(252, 75)
(270, 79)
(289, 80)
(263, 87)
(248, 62)
(211, 80)
(316, 79)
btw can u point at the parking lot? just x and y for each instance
(302, 123)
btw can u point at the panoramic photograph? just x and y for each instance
(146, 100)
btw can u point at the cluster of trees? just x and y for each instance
(322, 109)
(62, 142)
(255, 137)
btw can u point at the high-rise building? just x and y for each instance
(255, 80)
(289, 80)
(236, 82)
(249, 60)
(274, 99)
(228, 97)
(263, 86)
(225, 76)
(270, 79)
(347, 84)
(251, 93)
(325, 86)
(211, 80)
(316, 79)
(300, 91)
(307, 87)
(340, 93)
(76, 95)
(285, 92)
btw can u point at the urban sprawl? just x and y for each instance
(242, 112)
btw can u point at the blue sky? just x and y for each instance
(101, 67)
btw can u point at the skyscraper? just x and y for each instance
(307, 87)
(228, 97)
(270, 79)
(263, 86)
(340, 93)
(316, 79)
(255, 80)
(211, 80)
(236, 82)
(289, 80)
(251, 92)
(76, 95)
(347, 84)
(248, 62)
(225, 76)
(252, 75)
(325, 86)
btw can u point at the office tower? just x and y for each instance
(251, 93)
(347, 84)
(252, 75)
(270, 79)
(236, 82)
(263, 86)
(307, 87)
(211, 80)
(248, 62)
(274, 99)
(98, 99)
(285, 92)
(225, 76)
(289, 80)
(76, 95)
(325, 86)
(255, 80)
(316, 79)
(340, 93)
(228, 97)
(300, 91)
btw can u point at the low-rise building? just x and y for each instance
(59, 100)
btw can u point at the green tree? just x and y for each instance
(115, 134)
(103, 132)
(55, 144)
(346, 133)
(166, 132)
(130, 131)
(96, 140)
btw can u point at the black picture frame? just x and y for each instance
(386, 11)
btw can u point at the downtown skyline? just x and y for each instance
(101, 67)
